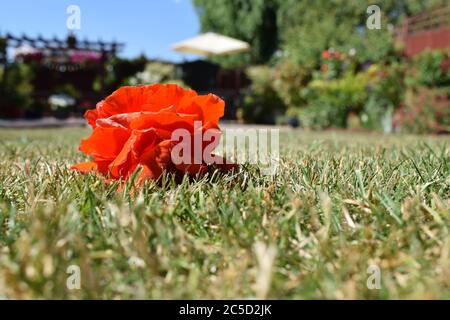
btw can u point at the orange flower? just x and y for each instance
(133, 129)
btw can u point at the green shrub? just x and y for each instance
(428, 69)
(262, 104)
(15, 90)
(329, 102)
(385, 94)
(426, 110)
(156, 72)
(318, 115)
(289, 79)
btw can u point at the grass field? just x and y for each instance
(341, 206)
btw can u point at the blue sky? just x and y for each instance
(148, 26)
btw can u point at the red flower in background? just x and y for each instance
(331, 54)
(337, 55)
(325, 54)
(132, 128)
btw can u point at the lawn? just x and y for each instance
(341, 206)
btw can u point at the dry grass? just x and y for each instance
(340, 203)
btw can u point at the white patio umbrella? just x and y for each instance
(211, 44)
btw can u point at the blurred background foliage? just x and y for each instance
(15, 88)
(157, 72)
(318, 64)
(253, 21)
(311, 63)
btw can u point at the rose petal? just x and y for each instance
(105, 143)
(134, 126)
(85, 166)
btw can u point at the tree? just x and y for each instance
(306, 28)
(254, 21)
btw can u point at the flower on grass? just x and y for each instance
(133, 129)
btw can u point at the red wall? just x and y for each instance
(430, 39)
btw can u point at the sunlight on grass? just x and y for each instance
(340, 203)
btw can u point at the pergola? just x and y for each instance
(56, 50)
(55, 44)
(58, 62)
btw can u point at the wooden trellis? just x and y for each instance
(55, 44)
(428, 30)
(56, 65)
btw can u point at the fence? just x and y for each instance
(428, 30)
